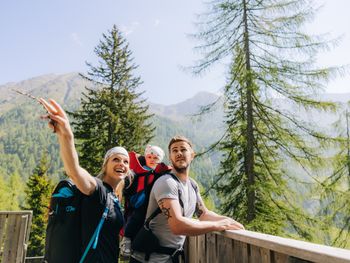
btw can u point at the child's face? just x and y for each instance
(152, 160)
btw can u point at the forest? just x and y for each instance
(273, 152)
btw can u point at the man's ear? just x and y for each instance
(193, 154)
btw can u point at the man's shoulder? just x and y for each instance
(165, 179)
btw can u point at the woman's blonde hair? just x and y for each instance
(119, 189)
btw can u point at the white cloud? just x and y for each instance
(127, 30)
(76, 40)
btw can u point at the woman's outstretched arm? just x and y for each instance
(59, 123)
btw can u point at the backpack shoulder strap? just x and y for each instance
(158, 211)
(194, 185)
(94, 239)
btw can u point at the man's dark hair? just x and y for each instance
(179, 138)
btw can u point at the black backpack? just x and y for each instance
(63, 233)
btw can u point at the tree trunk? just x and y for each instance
(249, 162)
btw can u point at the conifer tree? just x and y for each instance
(113, 112)
(16, 193)
(335, 198)
(38, 191)
(270, 57)
(3, 194)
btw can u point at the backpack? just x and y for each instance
(146, 236)
(63, 241)
(136, 194)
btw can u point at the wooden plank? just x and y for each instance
(21, 247)
(10, 245)
(224, 250)
(245, 253)
(192, 250)
(265, 255)
(3, 219)
(201, 249)
(255, 256)
(300, 249)
(237, 252)
(211, 248)
(280, 258)
(14, 235)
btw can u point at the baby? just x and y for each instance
(146, 169)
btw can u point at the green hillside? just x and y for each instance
(24, 137)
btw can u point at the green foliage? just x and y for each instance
(113, 113)
(38, 191)
(270, 57)
(335, 190)
(23, 138)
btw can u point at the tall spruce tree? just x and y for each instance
(113, 112)
(270, 58)
(335, 197)
(38, 191)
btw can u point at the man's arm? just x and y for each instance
(204, 214)
(180, 225)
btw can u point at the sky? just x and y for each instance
(41, 37)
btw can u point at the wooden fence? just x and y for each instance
(14, 235)
(250, 247)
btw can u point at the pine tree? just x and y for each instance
(4, 194)
(270, 57)
(16, 194)
(113, 113)
(335, 197)
(38, 191)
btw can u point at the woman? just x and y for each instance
(100, 192)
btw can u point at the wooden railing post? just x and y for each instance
(14, 235)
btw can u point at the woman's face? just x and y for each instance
(117, 166)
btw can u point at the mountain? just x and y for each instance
(23, 138)
(66, 89)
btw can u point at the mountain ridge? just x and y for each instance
(67, 89)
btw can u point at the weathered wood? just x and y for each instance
(255, 256)
(22, 246)
(192, 248)
(298, 249)
(265, 255)
(10, 239)
(224, 250)
(201, 249)
(280, 258)
(245, 246)
(14, 235)
(211, 255)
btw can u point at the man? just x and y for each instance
(175, 223)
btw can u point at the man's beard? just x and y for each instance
(180, 170)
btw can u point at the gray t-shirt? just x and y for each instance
(167, 187)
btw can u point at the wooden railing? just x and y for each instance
(14, 235)
(250, 247)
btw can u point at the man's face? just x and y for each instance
(181, 155)
(152, 160)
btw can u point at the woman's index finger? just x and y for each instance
(49, 108)
(57, 107)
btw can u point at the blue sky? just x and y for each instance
(41, 37)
